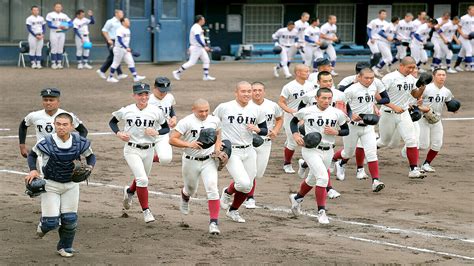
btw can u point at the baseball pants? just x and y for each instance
(290, 143)
(57, 40)
(374, 48)
(59, 198)
(196, 53)
(417, 52)
(401, 51)
(263, 155)
(311, 54)
(431, 135)
(242, 166)
(331, 52)
(391, 122)
(109, 60)
(36, 46)
(385, 50)
(163, 149)
(206, 170)
(80, 51)
(367, 137)
(320, 161)
(286, 55)
(140, 162)
(121, 53)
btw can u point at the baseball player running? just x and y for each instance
(361, 98)
(43, 120)
(373, 29)
(400, 86)
(301, 25)
(420, 38)
(140, 135)
(466, 28)
(287, 39)
(328, 122)
(35, 24)
(289, 101)
(198, 49)
(274, 116)
(60, 202)
(59, 23)
(240, 120)
(197, 161)
(442, 43)
(312, 52)
(435, 96)
(389, 35)
(323, 65)
(81, 32)
(328, 33)
(109, 31)
(404, 31)
(122, 51)
(163, 99)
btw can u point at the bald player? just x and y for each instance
(197, 162)
(289, 101)
(287, 39)
(240, 120)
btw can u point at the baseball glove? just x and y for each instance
(221, 158)
(431, 116)
(81, 172)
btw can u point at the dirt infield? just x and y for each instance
(409, 222)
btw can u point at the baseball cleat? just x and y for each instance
(39, 232)
(208, 77)
(451, 71)
(340, 171)
(459, 69)
(214, 229)
(295, 204)
(112, 79)
(301, 169)
(376, 72)
(122, 76)
(33, 65)
(416, 173)
(226, 200)
(377, 185)
(127, 198)
(148, 216)
(322, 217)
(38, 66)
(60, 66)
(87, 66)
(275, 72)
(63, 253)
(235, 216)
(334, 73)
(101, 74)
(288, 169)
(427, 168)
(250, 203)
(54, 66)
(184, 206)
(288, 76)
(421, 70)
(332, 194)
(138, 78)
(176, 75)
(361, 174)
(80, 66)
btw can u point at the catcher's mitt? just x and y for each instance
(35, 188)
(431, 116)
(81, 172)
(221, 158)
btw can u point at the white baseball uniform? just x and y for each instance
(420, 37)
(310, 97)
(399, 88)
(35, 24)
(271, 111)
(196, 48)
(293, 92)
(404, 31)
(163, 148)
(198, 162)
(120, 49)
(349, 80)
(136, 121)
(57, 36)
(431, 135)
(467, 26)
(441, 49)
(82, 26)
(375, 25)
(329, 30)
(301, 27)
(242, 165)
(311, 49)
(287, 41)
(384, 44)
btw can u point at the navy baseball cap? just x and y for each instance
(322, 62)
(50, 92)
(163, 84)
(140, 87)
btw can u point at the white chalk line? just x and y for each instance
(407, 247)
(4, 129)
(111, 133)
(287, 210)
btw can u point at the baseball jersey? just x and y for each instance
(136, 121)
(329, 30)
(271, 111)
(82, 25)
(190, 127)
(313, 34)
(424, 32)
(111, 27)
(353, 79)
(435, 32)
(235, 118)
(56, 19)
(294, 91)
(301, 27)
(313, 78)
(404, 30)
(361, 99)
(310, 97)
(316, 119)
(467, 24)
(44, 123)
(36, 23)
(123, 33)
(376, 25)
(196, 29)
(390, 31)
(399, 88)
(164, 104)
(448, 30)
(435, 97)
(285, 37)
(416, 24)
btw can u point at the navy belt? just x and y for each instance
(141, 147)
(197, 158)
(240, 146)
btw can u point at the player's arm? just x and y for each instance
(418, 92)
(308, 39)
(261, 129)
(82, 130)
(28, 27)
(173, 118)
(218, 144)
(91, 17)
(198, 39)
(22, 131)
(278, 124)
(113, 124)
(32, 158)
(120, 40)
(50, 25)
(284, 106)
(175, 140)
(76, 32)
(384, 99)
(344, 131)
(465, 36)
(294, 130)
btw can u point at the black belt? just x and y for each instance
(392, 112)
(267, 139)
(287, 46)
(197, 158)
(241, 146)
(325, 148)
(141, 147)
(358, 124)
(85, 35)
